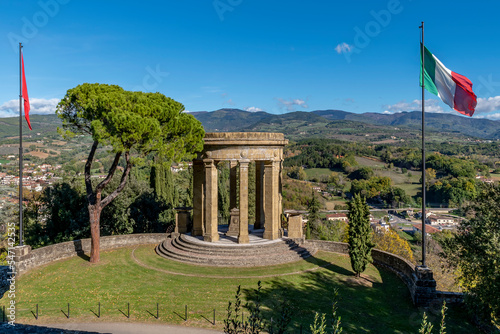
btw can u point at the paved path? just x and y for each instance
(102, 327)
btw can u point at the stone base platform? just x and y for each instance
(228, 253)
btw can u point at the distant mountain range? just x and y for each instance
(299, 124)
(240, 120)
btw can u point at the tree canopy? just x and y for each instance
(132, 124)
(475, 252)
(145, 122)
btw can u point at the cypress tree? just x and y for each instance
(223, 192)
(313, 217)
(163, 185)
(360, 238)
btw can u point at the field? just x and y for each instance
(410, 184)
(38, 154)
(377, 303)
(317, 173)
(370, 162)
(495, 177)
(411, 189)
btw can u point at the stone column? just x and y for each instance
(233, 185)
(271, 184)
(198, 198)
(243, 235)
(259, 195)
(280, 191)
(211, 206)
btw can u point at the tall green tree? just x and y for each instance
(132, 124)
(475, 252)
(313, 208)
(162, 182)
(360, 238)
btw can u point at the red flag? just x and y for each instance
(25, 95)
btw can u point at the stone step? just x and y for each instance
(263, 243)
(233, 250)
(234, 253)
(248, 255)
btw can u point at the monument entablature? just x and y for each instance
(239, 148)
(254, 146)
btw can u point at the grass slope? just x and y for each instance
(378, 303)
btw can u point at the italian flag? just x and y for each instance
(454, 89)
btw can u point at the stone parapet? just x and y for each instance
(27, 259)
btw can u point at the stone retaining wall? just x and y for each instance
(27, 259)
(419, 280)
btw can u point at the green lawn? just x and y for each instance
(377, 303)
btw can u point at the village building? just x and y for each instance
(440, 220)
(337, 216)
(428, 229)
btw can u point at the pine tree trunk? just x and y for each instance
(95, 232)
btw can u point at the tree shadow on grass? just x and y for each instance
(332, 267)
(79, 250)
(364, 304)
(315, 293)
(377, 302)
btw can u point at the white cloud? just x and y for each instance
(253, 109)
(38, 106)
(291, 105)
(431, 105)
(485, 105)
(387, 112)
(343, 48)
(495, 116)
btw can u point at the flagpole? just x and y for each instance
(422, 55)
(20, 149)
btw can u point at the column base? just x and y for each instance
(243, 239)
(270, 235)
(211, 238)
(197, 233)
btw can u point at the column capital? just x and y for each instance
(270, 163)
(209, 163)
(244, 163)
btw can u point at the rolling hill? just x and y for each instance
(319, 123)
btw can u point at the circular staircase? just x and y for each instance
(227, 252)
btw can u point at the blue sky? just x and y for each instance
(276, 56)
